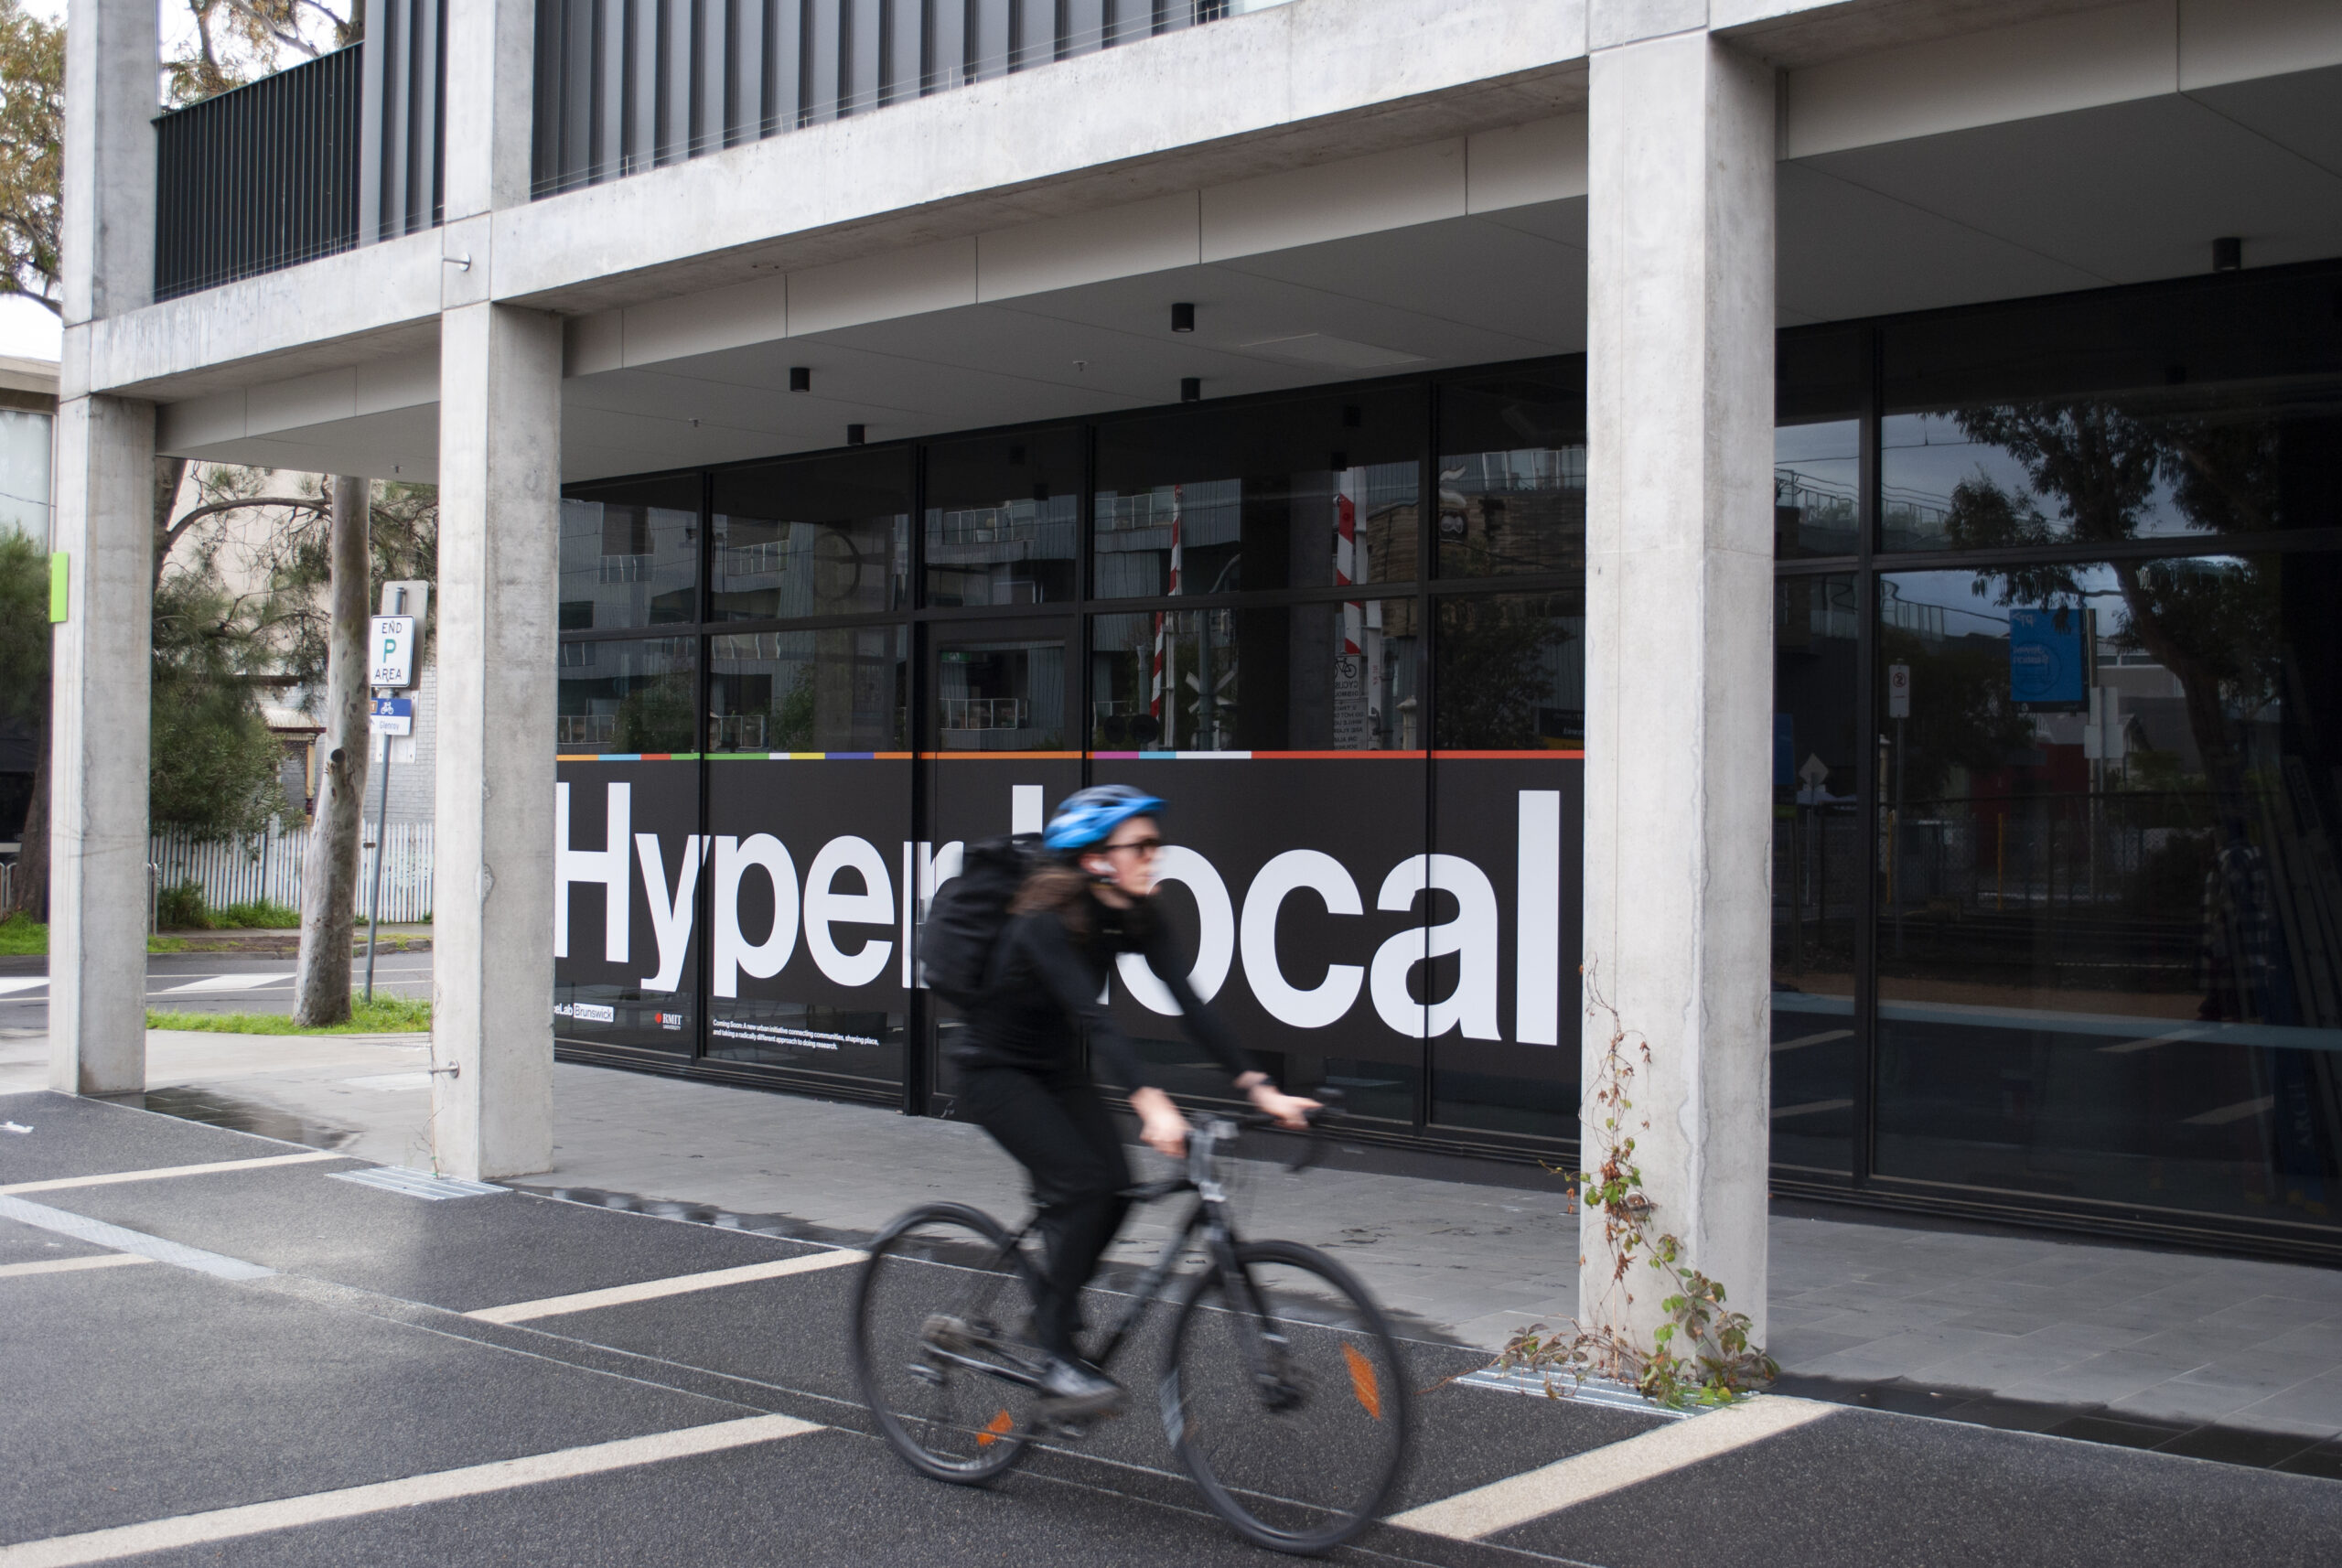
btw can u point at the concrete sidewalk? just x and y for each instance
(2010, 1330)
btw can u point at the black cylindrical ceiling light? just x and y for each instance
(854, 434)
(1191, 389)
(1183, 318)
(801, 378)
(2228, 253)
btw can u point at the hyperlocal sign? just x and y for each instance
(1295, 885)
(391, 659)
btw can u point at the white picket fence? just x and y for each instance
(268, 866)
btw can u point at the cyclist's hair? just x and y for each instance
(1058, 885)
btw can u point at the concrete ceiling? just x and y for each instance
(2120, 194)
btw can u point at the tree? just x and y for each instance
(329, 868)
(23, 694)
(32, 142)
(214, 768)
(235, 41)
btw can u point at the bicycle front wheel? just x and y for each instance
(943, 1296)
(1286, 1396)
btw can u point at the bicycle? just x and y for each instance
(1283, 1389)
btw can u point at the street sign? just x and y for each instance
(1898, 691)
(391, 715)
(391, 661)
(1815, 772)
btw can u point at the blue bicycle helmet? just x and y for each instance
(1090, 816)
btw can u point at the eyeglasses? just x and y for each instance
(1147, 848)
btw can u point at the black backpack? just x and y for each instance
(964, 923)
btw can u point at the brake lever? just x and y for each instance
(1313, 1143)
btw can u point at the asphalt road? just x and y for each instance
(207, 982)
(273, 1364)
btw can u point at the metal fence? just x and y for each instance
(627, 85)
(268, 866)
(262, 177)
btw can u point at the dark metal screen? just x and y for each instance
(628, 85)
(261, 178)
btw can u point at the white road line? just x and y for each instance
(164, 1172)
(1810, 1108)
(82, 1228)
(433, 1486)
(1485, 1511)
(2236, 1113)
(70, 1265)
(12, 983)
(225, 982)
(1822, 1038)
(673, 1285)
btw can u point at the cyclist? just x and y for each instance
(1021, 1073)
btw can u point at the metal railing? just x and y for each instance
(260, 178)
(628, 85)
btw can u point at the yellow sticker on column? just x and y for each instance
(58, 612)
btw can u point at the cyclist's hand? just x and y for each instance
(1160, 1125)
(1291, 1110)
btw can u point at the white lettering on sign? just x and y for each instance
(1537, 934)
(824, 905)
(391, 661)
(670, 916)
(1215, 944)
(734, 953)
(1472, 936)
(1326, 1002)
(606, 866)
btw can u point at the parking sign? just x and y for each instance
(391, 661)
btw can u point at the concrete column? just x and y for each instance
(1679, 640)
(491, 98)
(499, 484)
(106, 229)
(96, 836)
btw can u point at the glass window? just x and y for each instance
(1511, 672)
(1327, 677)
(2109, 962)
(1818, 869)
(1512, 473)
(1817, 444)
(1002, 512)
(842, 689)
(1312, 492)
(2166, 414)
(999, 689)
(629, 554)
(627, 696)
(820, 536)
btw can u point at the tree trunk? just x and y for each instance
(28, 883)
(329, 868)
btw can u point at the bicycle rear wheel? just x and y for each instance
(1286, 1396)
(944, 1288)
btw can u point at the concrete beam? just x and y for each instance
(1678, 646)
(492, 889)
(99, 748)
(107, 224)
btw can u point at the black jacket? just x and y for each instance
(1044, 998)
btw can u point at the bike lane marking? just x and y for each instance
(164, 1172)
(432, 1487)
(70, 1266)
(1499, 1505)
(673, 1285)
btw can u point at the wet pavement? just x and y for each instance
(290, 1366)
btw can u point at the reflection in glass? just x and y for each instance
(626, 696)
(837, 690)
(1326, 677)
(1818, 868)
(2109, 963)
(2163, 464)
(818, 536)
(1511, 672)
(629, 554)
(1513, 474)
(1002, 513)
(1313, 493)
(1004, 693)
(1815, 489)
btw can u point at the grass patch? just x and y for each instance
(383, 1015)
(21, 936)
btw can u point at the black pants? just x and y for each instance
(1057, 1129)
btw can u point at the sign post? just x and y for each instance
(390, 661)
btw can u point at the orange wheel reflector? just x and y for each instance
(1363, 1382)
(997, 1428)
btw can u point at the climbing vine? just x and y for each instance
(1701, 1354)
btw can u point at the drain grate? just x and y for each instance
(417, 1184)
(1592, 1392)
